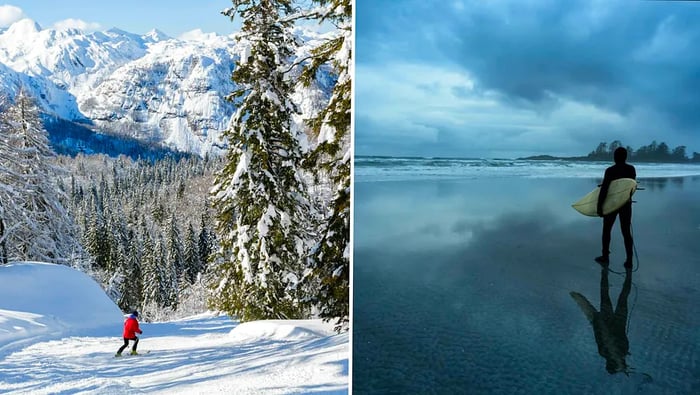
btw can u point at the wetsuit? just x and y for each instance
(619, 170)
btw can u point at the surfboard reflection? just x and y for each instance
(609, 326)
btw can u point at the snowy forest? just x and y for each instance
(261, 232)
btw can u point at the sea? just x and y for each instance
(476, 276)
(383, 168)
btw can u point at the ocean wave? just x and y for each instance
(376, 168)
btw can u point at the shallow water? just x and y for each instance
(464, 286)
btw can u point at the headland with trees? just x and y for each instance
(654, 152)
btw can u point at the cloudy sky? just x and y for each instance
(497, 78)
(173, 17)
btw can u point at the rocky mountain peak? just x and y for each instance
(151, 87)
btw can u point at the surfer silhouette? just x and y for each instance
(619, 170)
(609, 327)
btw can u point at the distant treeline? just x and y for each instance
(654, 152)
(72, 138)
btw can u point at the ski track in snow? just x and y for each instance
(198, 355)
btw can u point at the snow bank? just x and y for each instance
(281, 330)
(39, 299)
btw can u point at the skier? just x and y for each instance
(131, 328)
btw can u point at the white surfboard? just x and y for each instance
(619, 193)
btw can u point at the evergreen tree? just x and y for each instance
(97, 242)
(36, 226)
(662, 151)
(330, 259)
(167, 275)
(193, 265)
(259, 197)
(678, 153)
(117, 216)
(132, 281)
(8, 177)
(174, 254)
(149, 270)
(614, 145)
(206, 241)
(600, 153)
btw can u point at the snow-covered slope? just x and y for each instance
(52, 99)
(151, 87)
(59, 333)
(38, 299)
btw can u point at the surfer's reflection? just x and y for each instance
(609, 326)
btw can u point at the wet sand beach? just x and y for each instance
(465, 286)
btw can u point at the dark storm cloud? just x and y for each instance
(622, 56)
(641, 53)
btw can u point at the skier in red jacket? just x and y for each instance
(131, 328)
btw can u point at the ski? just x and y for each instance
(140, 354)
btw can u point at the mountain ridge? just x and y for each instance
(152, 88)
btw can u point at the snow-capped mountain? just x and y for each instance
(174, 93)
(154, 88)
(52, 99)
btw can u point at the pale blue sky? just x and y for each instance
(172, 17)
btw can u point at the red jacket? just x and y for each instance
(131, 327)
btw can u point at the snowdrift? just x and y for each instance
(281, 330)
(34, 296)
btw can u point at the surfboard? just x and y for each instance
(619, 193)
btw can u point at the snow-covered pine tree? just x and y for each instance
(7, 179)
(330, 259)
(132, 282)
(149, 270)
(259, 197)
(206, 241)
(37, 226)
(97, 242)
(113, 202)
(193, 266)
(159, 280)
(174, 254)
(167, 275)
